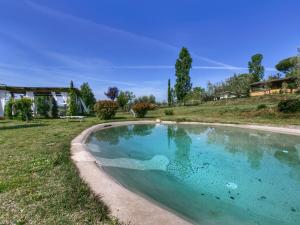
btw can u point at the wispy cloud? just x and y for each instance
(120, 32)
(60, 67)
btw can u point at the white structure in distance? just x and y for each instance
(59, 94)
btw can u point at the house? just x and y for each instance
(227, 95)
(275, 86)
(58, 93)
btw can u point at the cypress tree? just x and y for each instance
(183, 80)
(169, 93)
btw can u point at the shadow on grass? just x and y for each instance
(121, 118)
(20, 126)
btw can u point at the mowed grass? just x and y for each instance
(39, 183)
(242, 110)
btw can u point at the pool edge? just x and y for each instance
(125, 205)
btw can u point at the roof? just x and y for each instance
(39, 90)
(281, 80)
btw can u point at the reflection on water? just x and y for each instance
(125, 132)
(208, 174)
(181, 165)
(251, 143)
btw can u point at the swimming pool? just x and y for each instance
(206, 174)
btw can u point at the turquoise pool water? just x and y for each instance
(207, 174)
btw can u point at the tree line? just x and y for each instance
(239, 84)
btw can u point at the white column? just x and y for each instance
(65, 97)
(2, 102)
(54, 96)
(86, 110)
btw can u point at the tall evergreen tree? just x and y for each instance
(183, 80)
(255, 67)
(87, 96)
(71, 84)
(169, 93)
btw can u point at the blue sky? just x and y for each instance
(133, 44)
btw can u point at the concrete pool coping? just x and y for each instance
(127, 206)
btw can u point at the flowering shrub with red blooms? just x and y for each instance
(141, 108)
(105, 109)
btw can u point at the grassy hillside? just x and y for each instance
(242, 110)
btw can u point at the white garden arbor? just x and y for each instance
(60, 94)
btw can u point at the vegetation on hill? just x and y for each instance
(239, 110)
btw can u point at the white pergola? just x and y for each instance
(8, 92)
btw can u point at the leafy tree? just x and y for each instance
(274, 77)
(54, 109)
(146, 99)
(256, 68)
(210, 91)
(23, 108)
(72, 108)
(87, 96)
(124, 98)
(288, 66)
(112, 93)
(239, 84)
(183, 81)
(43, 106)
(195, 96)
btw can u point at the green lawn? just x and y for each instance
(39, 184)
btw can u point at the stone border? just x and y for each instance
(125, 205)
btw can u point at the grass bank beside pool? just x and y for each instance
(38, 182)
(242, 111)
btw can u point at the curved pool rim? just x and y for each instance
(125, 205)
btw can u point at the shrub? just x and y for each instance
(105, 109)
(261, 106)
(290, 105)
(169, 112)
(23, 107)
(141, 108)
